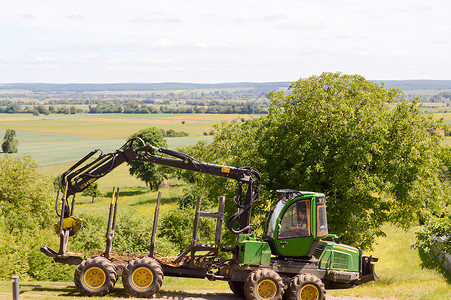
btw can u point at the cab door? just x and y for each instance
(293, 237)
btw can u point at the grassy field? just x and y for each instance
(57, 141)
(61, 149)
(398, 266)
(172, 287)
(134, 195)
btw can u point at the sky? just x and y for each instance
(215, 41)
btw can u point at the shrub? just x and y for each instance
(177, 226)
(10, 143)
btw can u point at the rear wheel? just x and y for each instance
(142, 277)
(306, 287)
(263, 284)
(95, 276)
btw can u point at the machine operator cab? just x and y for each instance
(296, 223)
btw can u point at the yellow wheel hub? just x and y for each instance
(266, 289)
(142, 278)
(94, 278)
(309, 292)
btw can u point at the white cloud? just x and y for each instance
(200, 40)
(156, 17)
(162, 44)
(76, 17)
(301, 25)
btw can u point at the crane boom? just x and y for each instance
(80, 176)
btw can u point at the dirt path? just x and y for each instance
(57, 291)
(230, 296)
(195, 296)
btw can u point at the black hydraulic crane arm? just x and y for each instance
(80, 175)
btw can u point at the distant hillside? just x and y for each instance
(87, 87)
(165, 86)
(417, 84)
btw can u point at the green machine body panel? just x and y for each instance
(253, 251)
(340, 257)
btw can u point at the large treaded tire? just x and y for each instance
(306, 287)
(237, 288)
(95, 276)
(264, 284)
(142, 277)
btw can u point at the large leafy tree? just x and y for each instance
(150, 173)
(371, 151)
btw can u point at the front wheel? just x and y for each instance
(142, 277)
(264, 284)
(95, 276)
(306, 287)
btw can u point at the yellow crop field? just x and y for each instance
(113, 126)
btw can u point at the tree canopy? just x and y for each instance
(24, 195)
(92, 190)
(10, 143)
(435, 234)
(371, 151)
(25, 209)
(150, 173)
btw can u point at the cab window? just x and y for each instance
(296, 220)
(270, 225)
(321, 222)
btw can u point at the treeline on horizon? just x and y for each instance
(165, 86)
(243, 101)
(151, 98)
(133, 108)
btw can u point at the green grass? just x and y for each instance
(47, 153)
(446, 141)
(51, 149)
(58, 151)
(66, 290)
(134, 195)
(398, 266)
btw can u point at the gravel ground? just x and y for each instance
(227, 296)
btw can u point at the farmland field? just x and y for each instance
(58, 139)
(111, 126)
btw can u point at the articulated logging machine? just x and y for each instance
(293, 257)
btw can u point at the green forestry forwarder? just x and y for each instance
(293, 257)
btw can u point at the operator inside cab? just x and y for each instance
(296, 220)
